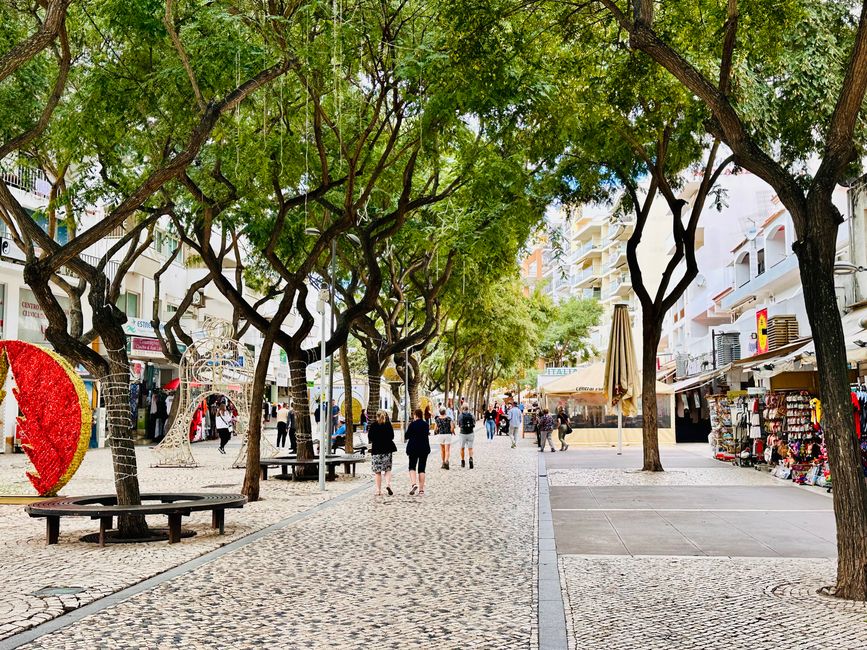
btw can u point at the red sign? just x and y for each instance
(140, 344)
(762, 331)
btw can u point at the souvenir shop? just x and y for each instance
(780, 429)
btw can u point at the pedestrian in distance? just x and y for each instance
(380, 434)
(224, 426)
(445, 433)
(468, 427)
(563, 428)
(490, 417)
(293, 441)
(282, 425)
(418, 449)
(546, 426)
(515, 419)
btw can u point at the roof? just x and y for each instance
(588, 380)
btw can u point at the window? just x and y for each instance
(128, 304)
(165, 244)
(760, 262)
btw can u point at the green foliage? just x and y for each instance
(564, 340)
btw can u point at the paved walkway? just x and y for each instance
(705, 556)
(451, 569)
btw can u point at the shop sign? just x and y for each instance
(143, 347)
(762, 331)
(32, 321)
(139, 327)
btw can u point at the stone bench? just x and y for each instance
(105, 508)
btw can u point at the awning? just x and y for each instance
(771, 355)
(700, 380)
(588, 380)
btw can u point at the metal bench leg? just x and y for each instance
(346, 468)
(218, 520)
(332, 472)
(174, 528)
(284, 471)
(104, 525)
(52, 529)
(263, 472)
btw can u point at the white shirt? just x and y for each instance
(283, 415)
(515, 417)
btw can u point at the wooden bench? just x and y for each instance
(331, 463)
(105, 508)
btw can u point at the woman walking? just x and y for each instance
(490, 417)
(224, 426)
(417, 448)
(563, 428)
(546, 426)
(380, 435)
(445, 433)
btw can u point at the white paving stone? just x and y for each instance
(704, 476)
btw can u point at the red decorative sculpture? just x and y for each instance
(54, 427)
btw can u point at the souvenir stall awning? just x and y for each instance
(700, 380)
(785, 358)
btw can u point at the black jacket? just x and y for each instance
(381, 438)
(417, 438)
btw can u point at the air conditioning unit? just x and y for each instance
(728, 348)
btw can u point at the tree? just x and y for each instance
(775, 113)
(138, 137)
(565, 337)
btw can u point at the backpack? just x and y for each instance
(468, 424)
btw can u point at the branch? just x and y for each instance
(182, 54)
(42, 38)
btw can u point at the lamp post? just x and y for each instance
(323, 429)
(327, 296)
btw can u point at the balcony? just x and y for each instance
(618, 287)
(582, 231)
(616, 256)
(621, 230)
(589, 250)
(591, 293)
(27, 179)
(586, 277)
(780, 276)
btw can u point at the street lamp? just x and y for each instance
(327, 295)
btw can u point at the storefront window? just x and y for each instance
(599, 416)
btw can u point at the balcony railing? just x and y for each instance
(27, 179)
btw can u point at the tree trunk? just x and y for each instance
(651, 332)
(347, 397)
(254, 427)
(816, 253)
(374, 384)
(119, 426)
(414, 381)
(301, 403)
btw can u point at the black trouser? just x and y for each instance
(225, 436)
(281, 434)
(420, 460)
(293, 443)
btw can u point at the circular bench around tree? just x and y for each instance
(105, 508)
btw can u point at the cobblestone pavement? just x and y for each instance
(680, 603)
(661, 601)
(676, 476)
(29, 565)
(452, 569)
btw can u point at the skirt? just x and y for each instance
(445, 439)
(380, 463)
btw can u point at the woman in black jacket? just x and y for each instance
(380, 435)
(417, 448)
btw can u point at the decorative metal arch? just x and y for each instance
(213, 365)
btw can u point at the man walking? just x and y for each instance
(515, 419)
(282, 425)
(468, 426)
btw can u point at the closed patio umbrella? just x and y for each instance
(621, 376)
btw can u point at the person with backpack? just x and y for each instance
(468, 426)
(445, 432)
